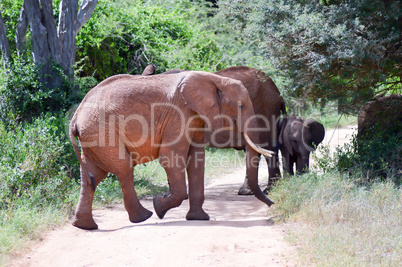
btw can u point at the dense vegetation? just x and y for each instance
(343, 50)
(318, 52)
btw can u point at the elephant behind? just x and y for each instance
(268, 105)
(298, 138)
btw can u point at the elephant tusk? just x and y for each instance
(265, 152)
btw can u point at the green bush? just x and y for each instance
(125, 36)
(23, 97)
(376, 157)
(37, 163)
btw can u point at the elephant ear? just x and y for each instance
(317, 131)
(149, 70)
(201, 93)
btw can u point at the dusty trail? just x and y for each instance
(238, 234)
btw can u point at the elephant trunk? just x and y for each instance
(252, 159)
(247, 125)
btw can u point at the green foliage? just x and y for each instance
(24, 223)
(10, 10)
(340, 50)
(376, 157)
(125, 36)
(37, 163)
(21, 94)
(23, 97)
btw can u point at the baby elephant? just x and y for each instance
(297, 139)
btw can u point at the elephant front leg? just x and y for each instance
(273, 172)
(288, 163)
(195, 173)
(302, 163)
(245, 188)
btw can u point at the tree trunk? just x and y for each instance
(52, 44)
(21, 32)
(4, 45)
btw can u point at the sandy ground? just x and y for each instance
(238, 234)
(339, 137)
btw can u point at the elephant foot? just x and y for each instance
(169, 192)
(197, 215)
(87, 223)
(245, 191)
(163, 204)
(141, 216)
(160, 206)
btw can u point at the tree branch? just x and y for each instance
(50, 24)
(84, 14)
(67, 19)
(21, 31)
(4, 44)
(40, 45)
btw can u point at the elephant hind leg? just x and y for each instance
(83, 214)
(178, 192)
(136, 212)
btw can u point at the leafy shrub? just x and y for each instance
(37, 163)
(125, 36)
(377, 156)
(21, 94)
(23, 97)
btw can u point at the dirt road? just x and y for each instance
(238, 234)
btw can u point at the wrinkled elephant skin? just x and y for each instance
(128, 120)
(268, 105)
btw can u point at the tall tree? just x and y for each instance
(53, 42)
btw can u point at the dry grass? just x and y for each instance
(334, 222)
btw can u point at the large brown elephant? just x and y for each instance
(128, 120)
(268, 105)
(298, 138)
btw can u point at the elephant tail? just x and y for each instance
(74, 133)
